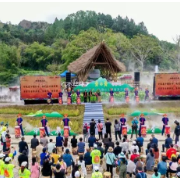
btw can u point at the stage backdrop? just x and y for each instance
(36, 87)
(167, 84)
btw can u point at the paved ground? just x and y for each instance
(28, 138)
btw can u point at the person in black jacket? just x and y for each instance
(23, 157)
(92, 127)
(168, 142)
(46, 169)
(108, 127)
(23, 146)
(117, 149)
(59, 173)
(177, 131)
(34, 142)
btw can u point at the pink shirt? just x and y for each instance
(99, 126)
(35, 171)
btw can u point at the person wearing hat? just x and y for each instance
(8, 168)
(44, 122)
(134, 126)
(66, 121)
(49, 95)
(165, 121)
(69, 93)
(61, 96)
(24, 172)
(122, 121)
(77, 174)
(95, 154)
(19, 121)
(122, 163)
(177, 132)
(110, 159)
(141, 122)
(1, 166)
(96, 173)
(136, 93)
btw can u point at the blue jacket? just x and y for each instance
(67, 158)
(162, 167)
(87, 158)
(59, 141)
(42, 156)
(134, 122)
(155, 141)
(140, 140)
(168, 142)
(91, 141)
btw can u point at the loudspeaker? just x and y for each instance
(137, 76)
(68, 77)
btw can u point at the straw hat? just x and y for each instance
(110, 149)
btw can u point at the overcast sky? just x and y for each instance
(161, 19)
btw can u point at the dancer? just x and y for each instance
(19, 121)
(69, 95)
(136, 93)
(78, 93)
(90, 94)
(44, 122)
(49, 95)
(111, 97)
(122, 122)
(78, 100)
(165, 121)
(66, 122)
(126, 93)
(141, 122)
(60, 97)
(85, 94)
(146, 94)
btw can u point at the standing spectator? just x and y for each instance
(156, 173)
(168, 142)
(140, 173)
(110, 159)
(59, 143)
(50, 146)
(130, 167)
(81, 146)
(117, 130)
(58, 172)
(35, 169)
(42, 156)
(134, 126)
(123, 168)
(54, 157)
(91, 140)
(92, 127)
(134, 146)
(100, 129)
(96, 173)
(173, 165)
(101, 150)
(95, 154)
(44, 140)
(108, 127)
(140, 141)
(177, 132)
(125, 146)
(75, 169)
(8, 168)
(46, 168)
(139, 163)
(87, 157)
(170, 152)
(85, 132)
(149, 145)
(150, 161)
(23, 146)
(8, 143)
(74, 145)
(154, 140)
(3, 138)
(34, 142)
(2, 166)
(24, 172)
(156, 153)
(162, 167)
(81, 163)
(134, 155)
(39, 149)
(63, 164)
(105, 139)
(109, 144)
(117, 149)
(23, 157)
(68, 159)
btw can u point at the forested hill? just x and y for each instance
(40, 46)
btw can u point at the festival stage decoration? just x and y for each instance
(50, 115)
(138, 113)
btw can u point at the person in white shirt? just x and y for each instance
(125, 146)
(134, 146)
(50, 146)
(81, 163)
(3, 136)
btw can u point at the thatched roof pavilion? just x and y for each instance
(100, 57)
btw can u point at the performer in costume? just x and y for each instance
(99, 95)
(141, 122)
(49, 95)
(78, 93)
(78, 96)
(146, 94)
(111, 95)
(66, 121)
(69, 94)
(44, 122)
(126, 93)
(165, 121)
(19, 121)
(136, 93)
(85, 94)
(90, 94)
(61, 96)
(122, 122)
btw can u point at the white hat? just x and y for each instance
(2, 155)
(24, 164)
(77, 174)
(96, 168)
(7, 159)
(95, 145)
(121, 155)
(134, 142)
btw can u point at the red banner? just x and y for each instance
(17, 132)
(143, 130)
(37, 87)
(167, 84)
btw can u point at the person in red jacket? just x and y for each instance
(170, 152)
(134, 155)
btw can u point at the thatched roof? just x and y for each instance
(98, 55)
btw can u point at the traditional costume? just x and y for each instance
(44, 122)
(111, 98)
(69, 95)
(66, 121)
(49, 95)
(126, 93)
(165, 121)
(122, 122)
(141, 122)
(85, 94)
(61, 97)
(146, 94)
(19, 123)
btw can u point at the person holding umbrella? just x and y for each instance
(44, 122)
(134, 126)
(165, 121)
(141, 122)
